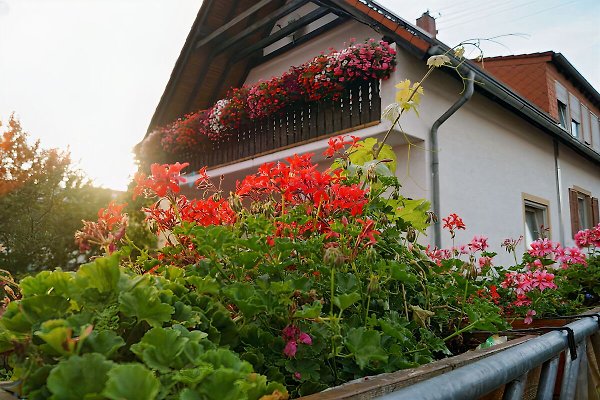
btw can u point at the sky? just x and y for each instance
(87, 75)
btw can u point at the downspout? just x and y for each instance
(435, 161)
(561, 228)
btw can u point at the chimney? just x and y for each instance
(427, 23)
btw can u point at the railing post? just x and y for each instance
(569, 381)
(548, 379)
(514, 390)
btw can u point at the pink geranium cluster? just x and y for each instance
(588, 238)
(545, 249)
(294, 336)
(324, 77)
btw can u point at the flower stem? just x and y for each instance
(458, 332)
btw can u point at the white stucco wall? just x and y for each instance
(488, 156)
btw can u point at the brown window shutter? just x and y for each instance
(595, 212)
(574, 211)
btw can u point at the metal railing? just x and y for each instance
(358, 105)
(509, 368)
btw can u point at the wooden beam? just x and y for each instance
(269, 19)
(283, 32)
(219, 31)
(303, 39)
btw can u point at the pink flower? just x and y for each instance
(571, 255)
(543, 247)
(290, 349)
(478, 243)
(485, 262)
(297, 375)
(543, 280)
(305, 338)
(529, 317)
(522, 300)
(293, 335)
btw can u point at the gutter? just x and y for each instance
(518, 104)
(434, 151)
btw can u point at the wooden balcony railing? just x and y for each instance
(359, 105)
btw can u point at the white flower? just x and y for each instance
(438, 61)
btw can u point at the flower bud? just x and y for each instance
(334, 256)
(411, 234)
(235, 202)
(373, 284)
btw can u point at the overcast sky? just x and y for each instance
(88, 74)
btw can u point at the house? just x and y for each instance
(497, 155)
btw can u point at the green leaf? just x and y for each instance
(366, 346)
(144, 304)
(160, 348)
(101, 274)
(401, 273)
(412, 212)
(47, 282)
(344, 301)
(44, 307)
(204, 285)
(309, 310)
(131, 382)
(79, 377)
(104, 342)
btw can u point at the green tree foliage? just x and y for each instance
(42, 202)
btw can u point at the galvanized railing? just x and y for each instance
(509, 368)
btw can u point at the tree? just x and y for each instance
(43, 199)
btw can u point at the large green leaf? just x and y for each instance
(101, 274)
(160, 348)
(104, 342)
(131, 382)
(344, 301)
(144, 304)
(47, 282)
(79, 377)
(41, 308)
(309, 310)
(365, 344)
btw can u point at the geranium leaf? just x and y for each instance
(79, 377)
(102, 274)
(344, 301)
(309, 310)
(160, 348)
(105, 342)
(131, 382)
(143, 303)
(366, 346)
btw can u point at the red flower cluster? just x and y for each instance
(338, 143)
(299, 182)
(106, 232)
(453, 222)
(325, 76)
(164, 179)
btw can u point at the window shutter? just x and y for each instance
(585, 125)
(561, 93)
(595, 212)
(575, 108)
(574, 212)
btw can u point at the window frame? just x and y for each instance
(536, 203)
(563, 115)
(576, 194)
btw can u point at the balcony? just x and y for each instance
(358, 107)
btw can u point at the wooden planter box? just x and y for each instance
(375, 386)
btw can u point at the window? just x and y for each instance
(537, 223)
(562, 115)
(575, 129)
(584, 209)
